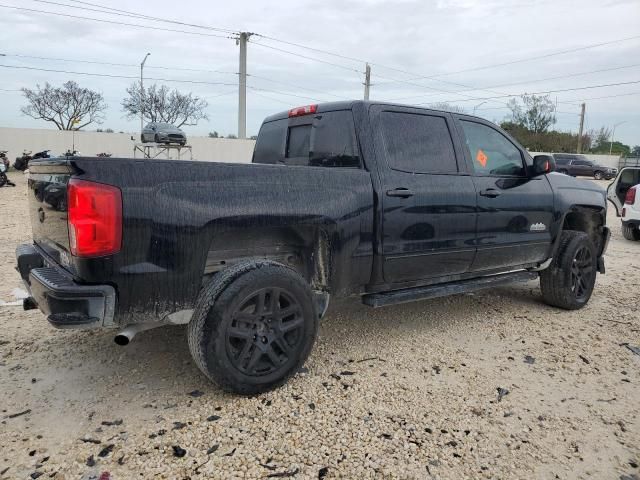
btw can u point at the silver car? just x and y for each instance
(163, 133)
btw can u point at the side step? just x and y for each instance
(442, 290)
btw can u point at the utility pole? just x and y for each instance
(579, 150)
(242, 85)
(142, 92)
(367, 81)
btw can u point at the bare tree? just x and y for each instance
(159, 104)
(536, 113)
(447, 107)
(69, 107)
(600, 137)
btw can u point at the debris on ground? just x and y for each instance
(502, 392)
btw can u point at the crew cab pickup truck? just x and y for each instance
(387, 203)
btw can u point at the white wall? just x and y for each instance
(16, 140)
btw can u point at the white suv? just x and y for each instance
(624, 193)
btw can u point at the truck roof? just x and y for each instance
(348, 104)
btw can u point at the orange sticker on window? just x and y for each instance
(481, 158)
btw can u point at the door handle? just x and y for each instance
(490, 192)
(400, 192)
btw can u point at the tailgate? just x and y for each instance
(47, 193)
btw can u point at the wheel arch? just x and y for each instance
(583, 218)
(305, 249)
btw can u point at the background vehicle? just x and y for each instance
(22, 162)
(580, 166)
(385, 202)
(3, 175)
(4, 159)
(623, 193)
(163, 133)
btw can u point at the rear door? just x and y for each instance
(627, 178)
(427, 196)
(515, 211)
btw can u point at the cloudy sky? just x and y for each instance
(473, 54)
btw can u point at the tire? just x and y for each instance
(568, 282)
(3, 179)
(630, 232)
(598, 175)
(243, 348)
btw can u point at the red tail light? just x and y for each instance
(300, 111)
(95, 218)
(630, 197)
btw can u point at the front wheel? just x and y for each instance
(3, 179)
(253, 327)
(569, 281)
(598, 175)
(630, 233)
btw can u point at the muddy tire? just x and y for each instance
(630, 233)
(253, 327)
(568, 282)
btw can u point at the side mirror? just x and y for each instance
(543, 164)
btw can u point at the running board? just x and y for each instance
(434, 291)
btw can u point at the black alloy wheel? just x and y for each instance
(264, 331)
(582, 273)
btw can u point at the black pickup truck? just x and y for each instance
(388, 203)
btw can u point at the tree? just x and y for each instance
(159, 104)
(214, 134)
(535, 113)
(447, 107)
(600, 138)
(635, 151)
(69, 107)
(231, 135)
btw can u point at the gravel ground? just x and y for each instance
(401, 392)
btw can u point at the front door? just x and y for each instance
(515, 211)
(428, 198)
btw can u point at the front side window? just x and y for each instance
(418, 143)
(491, 152)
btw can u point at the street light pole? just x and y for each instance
(612, 135)
(474, 108)
(142, 92)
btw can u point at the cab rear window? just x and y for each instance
(326, 139)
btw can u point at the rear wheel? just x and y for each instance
(569, 281)
(3, 179)
(253, 327)
(598, 175)
(630, 232)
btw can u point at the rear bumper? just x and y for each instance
(66, 303)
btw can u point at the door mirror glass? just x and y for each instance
(543, 164)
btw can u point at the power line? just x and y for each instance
(108, 75)
(307, 57)
(126, 13)
(95, 62)
(544, 92)
(612, 96)
(527, 82)
(285, 93)
(113, 22)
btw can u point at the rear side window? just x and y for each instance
(561, 160)
(491, 152)
(270, 143)
(323, 140)
(418, 143)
